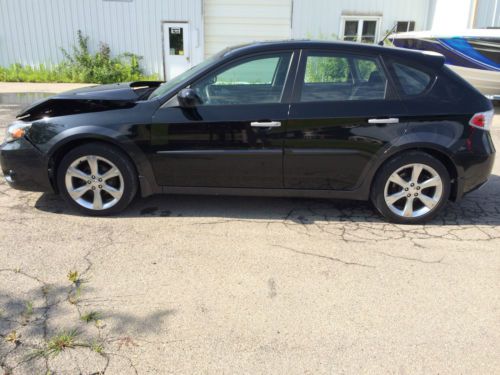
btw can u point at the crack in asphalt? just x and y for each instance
(346, 263)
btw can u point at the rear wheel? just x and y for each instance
(97, 179)
(411, 188)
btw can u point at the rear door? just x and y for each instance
(343, 113)
(234, 138)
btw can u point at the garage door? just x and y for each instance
(233, 22)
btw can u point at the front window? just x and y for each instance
(337, 77)
(364, 29)
(259, 79)
(167, 86)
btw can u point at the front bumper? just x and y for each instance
(24, 166)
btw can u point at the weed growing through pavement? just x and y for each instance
(91, 316)
(74, 277)
(97, 347)
(13, 337)
(56, 344)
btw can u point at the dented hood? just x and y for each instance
(90, 99)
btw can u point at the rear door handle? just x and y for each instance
(266, 124)
(390, 120)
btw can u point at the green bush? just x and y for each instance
(326, 69)
(81, 66)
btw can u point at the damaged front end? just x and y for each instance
(89, 99)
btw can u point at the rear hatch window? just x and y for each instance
(411, 80)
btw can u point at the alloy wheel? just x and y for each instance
(413, 190)
(94, 182)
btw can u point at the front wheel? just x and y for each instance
(97, 179)
(411, 188)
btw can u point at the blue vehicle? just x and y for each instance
(473, 54)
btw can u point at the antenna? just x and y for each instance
(381, 43)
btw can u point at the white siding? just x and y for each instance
(232, 22)
(33, 31)
(487, 14)
(451, 15)
(321, 18)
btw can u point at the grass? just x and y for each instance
(81, 66)
(74, 295)
(91, 316)
(28, 309)
(27, 313)
(97, 347)
(74, 277)
(62, 341)
(13, 337)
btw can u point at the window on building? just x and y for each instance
(404, 26)
(176, 40)
(360, 29)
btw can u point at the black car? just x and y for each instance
(296, 118)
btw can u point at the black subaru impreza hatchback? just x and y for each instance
(295, 118)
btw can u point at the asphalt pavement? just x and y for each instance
(212, 285)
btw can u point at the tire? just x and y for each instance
(402, 199)
(112, 177)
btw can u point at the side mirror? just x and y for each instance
(188, 98)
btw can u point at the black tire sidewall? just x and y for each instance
(377, 193)
(114, 155)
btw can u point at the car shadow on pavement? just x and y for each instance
(481, 207)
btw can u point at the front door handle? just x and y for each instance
(390, 120)
(266, 124)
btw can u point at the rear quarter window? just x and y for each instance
(412, 80)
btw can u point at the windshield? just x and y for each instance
(167, 86)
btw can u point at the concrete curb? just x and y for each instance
(27, 87)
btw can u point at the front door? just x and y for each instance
(234, 137)
(177, 48)
(343, 114)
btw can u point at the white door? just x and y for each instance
(177, 48)
(229, 23)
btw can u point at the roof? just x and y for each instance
(467, 33)
(266, 46)
(297, 44)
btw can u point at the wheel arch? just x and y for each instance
(132, 152)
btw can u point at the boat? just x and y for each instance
(474, 54)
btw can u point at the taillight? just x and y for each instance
(482, 120)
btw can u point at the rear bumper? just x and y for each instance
(24, 167)
(475, 162)
(478, 174)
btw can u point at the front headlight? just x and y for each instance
(17, 130)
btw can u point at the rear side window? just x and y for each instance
(327, 69)
(413, 81)
(365, 68)
(339, 77)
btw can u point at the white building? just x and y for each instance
(172, 35)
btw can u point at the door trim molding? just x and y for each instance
(219, 152)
